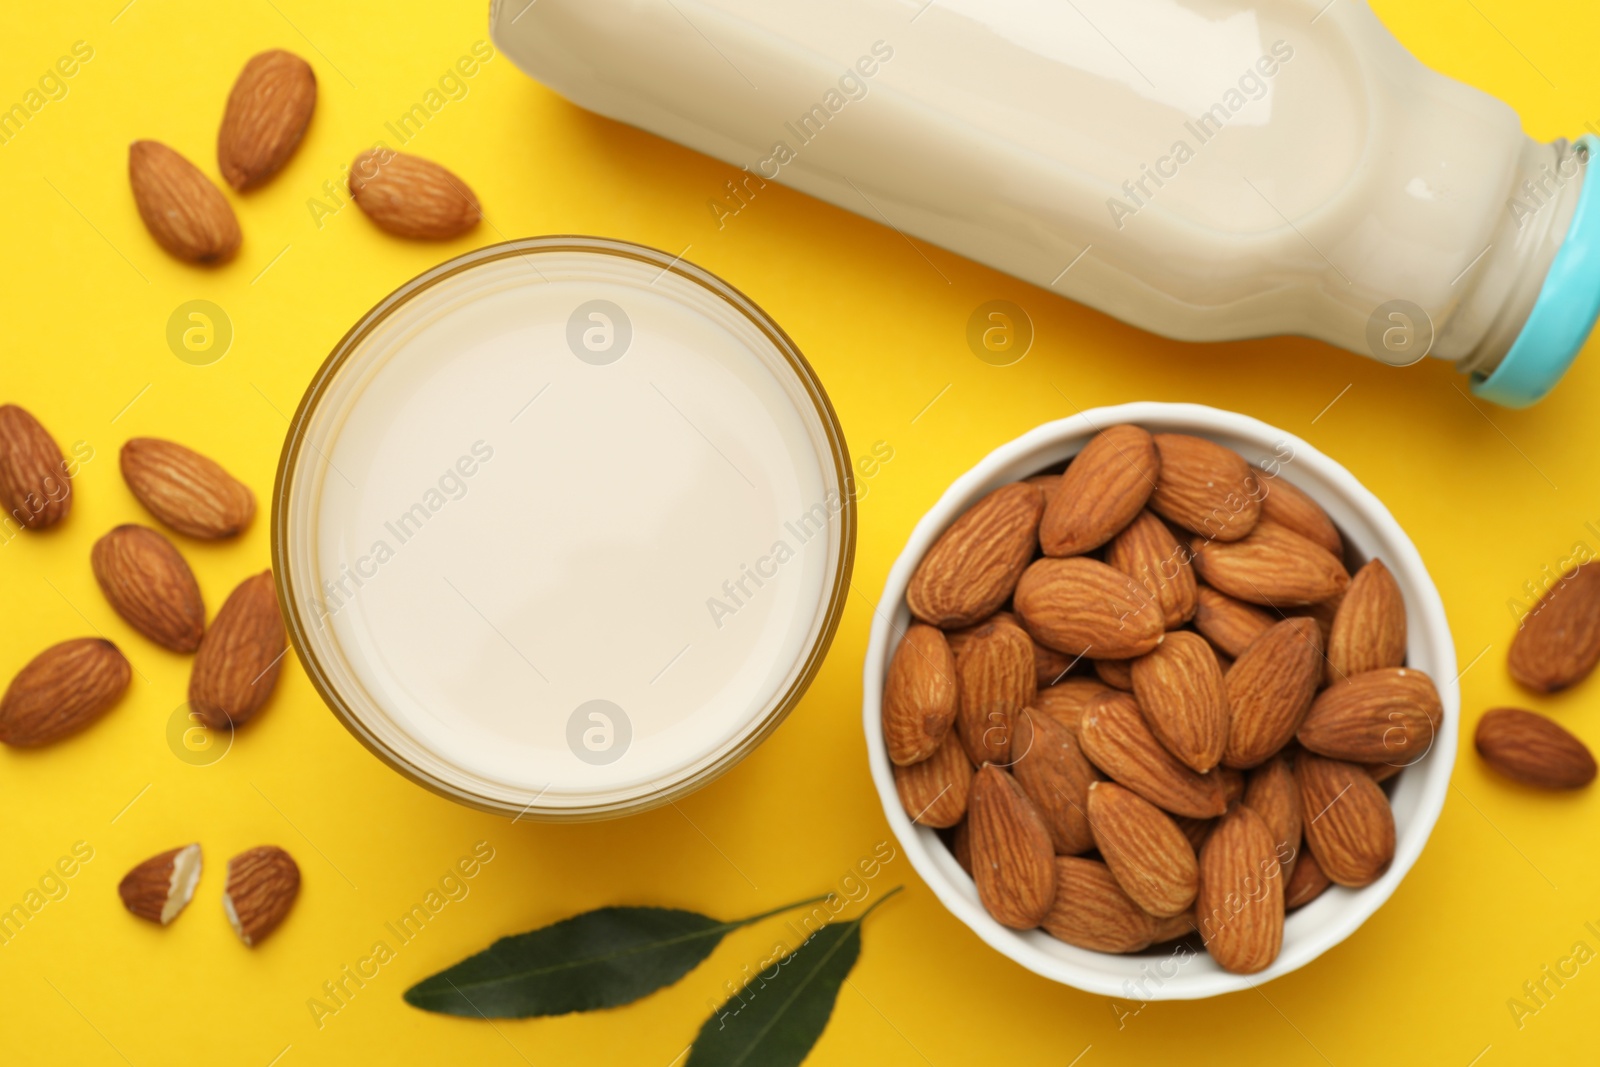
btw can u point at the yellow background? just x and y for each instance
(1490, 496)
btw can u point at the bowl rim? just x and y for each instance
(922, 845)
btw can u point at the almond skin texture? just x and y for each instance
(1369, 629)
(1270, 791)
(184, 212)
(185, 490)
(1533, 750)
(1012, 861)
(1065, 701)
(1050, 666)
(1306, 881)
(1083, 607)
(1273, 565)
(262, 885)
(34, 485)
(1205, 488)
(1054, 773)
(240, 656)
(1103, 488)
(1115, 673)
(267, 114)
(62, 690)
(1150, 857)
(1184, 698)
(160, 887)
(996, 678)
(1348, 824)
(149, 584)
(1384, 716)
(1559, 641)
(1147, 552)
(1291, 507)
(934, 792)
(1091, 910)
(1116, 738)
(412, 197)
(1227, 623)
(919, 696)
(1270, 688)
(1240, 905)
(974, 565)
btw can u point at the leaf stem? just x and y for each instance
(874, 905)
(736, 923)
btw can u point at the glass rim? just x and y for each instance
(347, 345)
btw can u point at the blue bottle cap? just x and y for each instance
(1566, 308)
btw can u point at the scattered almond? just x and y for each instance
(1533, 750)
(34, 485)
(412, 197)
(185, 490)
(1147, 552)
(1239, 909)
(267, 114)
(974, 565)
(1103, 488)
(1181, 691)
(994, 671)
(1382, 716)
(1558, 642)
(239, 657)
(184, 212)
(1369, 629)
(1270, 688)
(1081, 606)
(262, 885)
(1146, 851)
(919, 697)
(1272, 565)
(150, 585)
(160, 887)
(1013, 863)
(62, 690)
(1348, 824)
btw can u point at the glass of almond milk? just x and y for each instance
(563, 528)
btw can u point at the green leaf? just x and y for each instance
(774, 1021)
(598, 959)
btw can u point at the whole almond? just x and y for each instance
(1116, 738)
(996, 678)
(1205, 488)
(1383, 716)
(62, 690)
(934, 792)
(35, 487)
(1271, 792)
(1091, 910)
(150, 585)
(1272, 565)
(1239, 909)
(1147, 552)
(262, 885)
(1066, 701)
(1558, 642)
(412, 197)
(1103, 488)
(1533, 750)
(1083, 607)
(1054, 773)
(160, 887)
(1306, 881)
(1369, 628)
(1013, 863)
(240, 656)
(1146, 851)
(919, 696)
(1289, 506)
(1115, 673)
(267, 114)
(1181, 691)
(1227, 623)
(1270, 688)
(1348, 823)
(959, 639)
(185, 490)
(184, 212)
(974, 565)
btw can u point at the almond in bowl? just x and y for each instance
(1161, 681)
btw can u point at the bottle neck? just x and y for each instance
(1505, 280)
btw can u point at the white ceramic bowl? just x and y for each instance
(1164, 972)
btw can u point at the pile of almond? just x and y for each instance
(267, 114)
(1146, 698)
